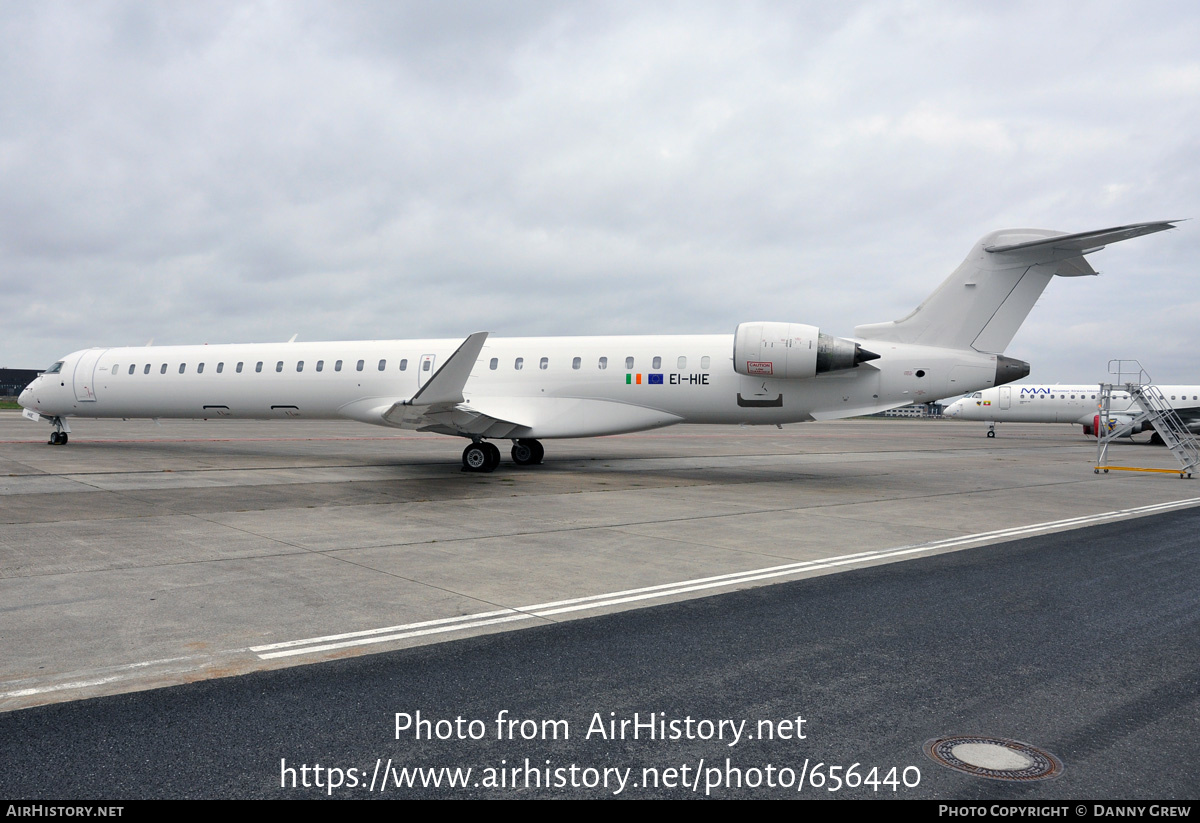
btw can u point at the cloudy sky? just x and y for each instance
(242, 172)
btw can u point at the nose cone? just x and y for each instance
(953, 409)
(26, 398)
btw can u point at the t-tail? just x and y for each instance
(982, 304)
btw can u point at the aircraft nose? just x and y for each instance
(953, 409)
(25, 398)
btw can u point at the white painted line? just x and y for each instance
(542, 610)
(94, 679)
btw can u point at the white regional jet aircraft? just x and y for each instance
(1068, 404)
(527, 389)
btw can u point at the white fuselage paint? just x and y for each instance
(557, 400)
(1057, 404)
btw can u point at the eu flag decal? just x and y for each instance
(655, 379)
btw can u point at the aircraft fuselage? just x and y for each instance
(553, 386)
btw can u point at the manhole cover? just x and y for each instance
(994, 758)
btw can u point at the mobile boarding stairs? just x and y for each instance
(1148, 409)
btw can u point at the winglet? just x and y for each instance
(446, 385)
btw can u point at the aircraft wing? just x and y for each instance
(442, 406)
(439, 405)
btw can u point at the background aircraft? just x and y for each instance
(1067, 404)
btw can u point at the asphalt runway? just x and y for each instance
(143, 556)
(1080, 643)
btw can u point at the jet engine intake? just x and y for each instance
(792, 351)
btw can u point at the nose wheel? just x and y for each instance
(58, 438)
(480, 457)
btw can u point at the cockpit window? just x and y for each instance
(977, 395)
(55, 369)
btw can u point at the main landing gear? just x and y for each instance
(482, 456)
(527, 452)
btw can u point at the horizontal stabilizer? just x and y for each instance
(1083, 242)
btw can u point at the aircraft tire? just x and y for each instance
(493, 457)
(522, 455)
(527, 452)
(477, 458)
(991, 434)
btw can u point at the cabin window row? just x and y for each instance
(361, 365)
(602, 363)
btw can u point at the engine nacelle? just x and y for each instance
(1115, 421)
(792, 351)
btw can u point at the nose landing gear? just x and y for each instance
(58, 437)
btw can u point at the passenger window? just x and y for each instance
(682, 363)
(279, 367)
(404, 364)
(657, 363)
(258, 367)
(425, 366)
(628, 362)
(519, 363)
(544, 363)
(382, 365)
(163, 370)
(603, 363)
(220, 368)
(576, 362)
(200, 369)
(115, 368)
(704, 361)
(320, 365)
(239, 367)
(131, 367)
(361, 363)
(299, 365)
(147, 369)
(182, 366)
(494, 363)
(337, 366)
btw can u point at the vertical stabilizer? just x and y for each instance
(987, 298)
